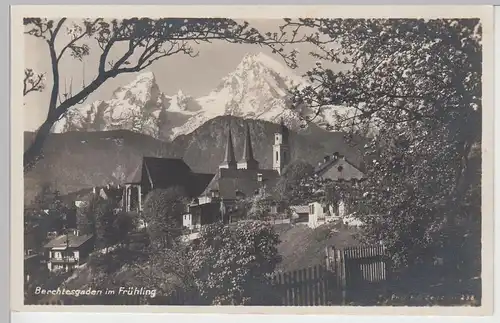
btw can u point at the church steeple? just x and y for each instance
(229, 159)
(281, 149)
(247, 160)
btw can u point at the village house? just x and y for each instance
(108, 192)
(68, 251)
(336, 168)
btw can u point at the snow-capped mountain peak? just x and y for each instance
(140, 88)
(135, 106)
(262, 61)
(258, 88)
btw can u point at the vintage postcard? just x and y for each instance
(244, 159)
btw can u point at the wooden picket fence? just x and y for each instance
(306, 287)
(350, 273)
(360, 271)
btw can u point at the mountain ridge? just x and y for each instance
(259, 88)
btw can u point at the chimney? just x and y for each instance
(326, 158)
(336, 155)
(259, 177)
(76, 232)
(93, 190)
(107, 187)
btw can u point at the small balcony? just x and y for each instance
(64, 260)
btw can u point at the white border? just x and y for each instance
(254, 12)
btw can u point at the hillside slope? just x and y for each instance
(302, 247)
(78, 160)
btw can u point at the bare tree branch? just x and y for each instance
(148, 39)
(33, 82)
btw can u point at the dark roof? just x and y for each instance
(247, 149)
(229, 157)
(324, 167)
(74, 241)
(160, 171)
(198, 183)
(230, 181)
(168, 172)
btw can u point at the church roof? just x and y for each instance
(229, 157)
(168, 172)
(230, 181)
(247, 148)
(159, 171)
(199, 182)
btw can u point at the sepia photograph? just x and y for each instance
(283, 162)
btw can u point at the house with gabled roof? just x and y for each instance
(335, 168)
(338, 168)
(68, 251)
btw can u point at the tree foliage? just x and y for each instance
(86, 216)
(293, 186)
(124, 223)
(417, 83)
(56, 214)
(259, 207)
(227, 265)
(105, 231)
(162, 213)
(168, 270)
(144, 41)
(232, 263)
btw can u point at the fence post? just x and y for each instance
(328, 259)
(341, 274)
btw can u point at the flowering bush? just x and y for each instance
(232, 263)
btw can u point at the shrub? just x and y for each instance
(232, 264)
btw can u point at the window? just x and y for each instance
(340, 168)
(277, 156)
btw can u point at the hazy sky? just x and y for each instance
(195, 76)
